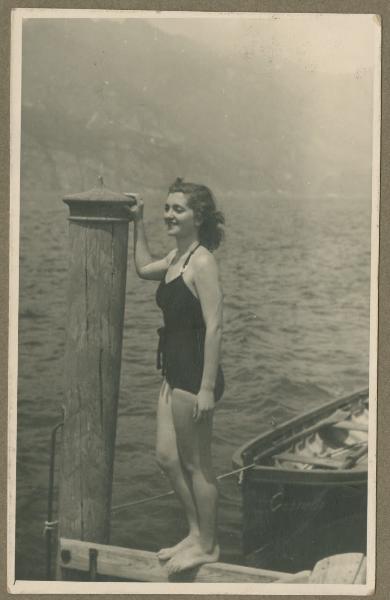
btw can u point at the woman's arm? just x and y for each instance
(210, 295)
(145, 265)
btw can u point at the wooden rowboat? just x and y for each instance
(304, 486)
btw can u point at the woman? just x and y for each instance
(190, 298)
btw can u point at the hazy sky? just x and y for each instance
(327, 42)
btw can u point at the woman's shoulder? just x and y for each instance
(203, 259)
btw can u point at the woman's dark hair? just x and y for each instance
(201, 200)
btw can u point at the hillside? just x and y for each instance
(142, 107)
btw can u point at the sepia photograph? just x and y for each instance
(193, 302)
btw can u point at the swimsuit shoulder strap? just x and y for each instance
(188, 258)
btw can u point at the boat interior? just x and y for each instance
(338, 441)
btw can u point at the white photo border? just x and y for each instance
(63, 587)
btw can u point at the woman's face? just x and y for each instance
(178, 216)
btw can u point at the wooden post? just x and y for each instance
(98, 233)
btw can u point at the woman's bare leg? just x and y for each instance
(194, 446)
(168, 459)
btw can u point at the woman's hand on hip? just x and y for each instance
(204, 404)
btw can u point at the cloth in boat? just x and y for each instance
(180, 353)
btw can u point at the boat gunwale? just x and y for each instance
(271, 474)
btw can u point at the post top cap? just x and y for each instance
(100, 194)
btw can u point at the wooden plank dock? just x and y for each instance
(142, 566)
(139, 565)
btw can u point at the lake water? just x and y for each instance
(295, 275)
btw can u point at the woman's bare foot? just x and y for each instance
(167, 553)
(192, 556)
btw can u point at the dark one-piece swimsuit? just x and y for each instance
(180, 352)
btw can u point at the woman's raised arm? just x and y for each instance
(146, 266)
